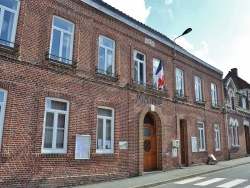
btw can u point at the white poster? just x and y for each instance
(82, 146)
(194, 144)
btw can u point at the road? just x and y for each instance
(238, 177)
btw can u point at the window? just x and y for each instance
(179, 82)
(106, 56)
(3, 98)
(198, 92)
(105, 130)
(158, 74)
(244, 103)
(8, 21)
(61, 44)
(140, 68)
(201, 141)
(231, 98)
(217, 137)
(234, 131)
(55, 129)
(214, 95)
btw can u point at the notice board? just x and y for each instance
(194, 144)
(82, 146)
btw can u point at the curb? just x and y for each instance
(186, 177)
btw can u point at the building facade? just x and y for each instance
(237, 97)
(81, 102)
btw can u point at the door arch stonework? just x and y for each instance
(158, 119)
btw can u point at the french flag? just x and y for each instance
(160, 75)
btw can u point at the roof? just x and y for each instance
(239, 82)
(117, 14)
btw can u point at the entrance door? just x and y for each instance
(150, 145)
(183, 142)
(247, 139)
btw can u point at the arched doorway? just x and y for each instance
(150, 143)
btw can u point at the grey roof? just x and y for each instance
(111, 11)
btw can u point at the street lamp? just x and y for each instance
(188, 30)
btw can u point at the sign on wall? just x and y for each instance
(194, 144)
(82, 146)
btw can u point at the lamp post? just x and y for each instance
(188, 30)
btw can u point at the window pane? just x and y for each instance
(108, 135)
(0, 109)
(58, 105)
(55, 42)
(49, 119)
(48, 138)
(106, 42)
(63, 24)
(12, 4)
(104, 112)
(136, 71)
(141, 73)
(140, 56)
(61, 121)
(59, 138)
(101, 64)
(66, 46)
(1, 96)
(100, 134)
(147, 132)
(109, 61)
(7, 26)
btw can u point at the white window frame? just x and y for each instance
(111, 150)
(56, 112)
(137, 72)
(234, 132)
(2, 113)
(179, 82)
(14, 28)
(217, 137)
(62, 31)
(214, 96)
(198, 89)
(106, 48)
(202, 142)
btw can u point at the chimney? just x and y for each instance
(234, 72)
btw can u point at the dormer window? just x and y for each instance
(231, 98)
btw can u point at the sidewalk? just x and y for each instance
(158, 178)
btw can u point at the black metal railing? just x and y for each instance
(149, 86)
(181, 95)
(107, 73)
(62, 60)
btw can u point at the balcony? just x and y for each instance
(107, 74)
(61, 60)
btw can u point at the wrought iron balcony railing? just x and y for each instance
(61, 60)
(107, 73)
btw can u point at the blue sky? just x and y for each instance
(220, 28)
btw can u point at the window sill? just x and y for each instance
(10, 50)
(202, 150)
(215, 107)
(181, 96)
(200, 102)
(106, 76)
(235, 146)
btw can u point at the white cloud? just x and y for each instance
(134, 8)
(203, 53)
(168, 2)
(184, 43)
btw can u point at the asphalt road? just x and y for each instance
(238, 177)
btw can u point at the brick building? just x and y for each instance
(237, 97)
(80, 102)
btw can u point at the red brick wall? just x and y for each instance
(29, 79)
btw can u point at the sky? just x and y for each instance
(220, 33)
